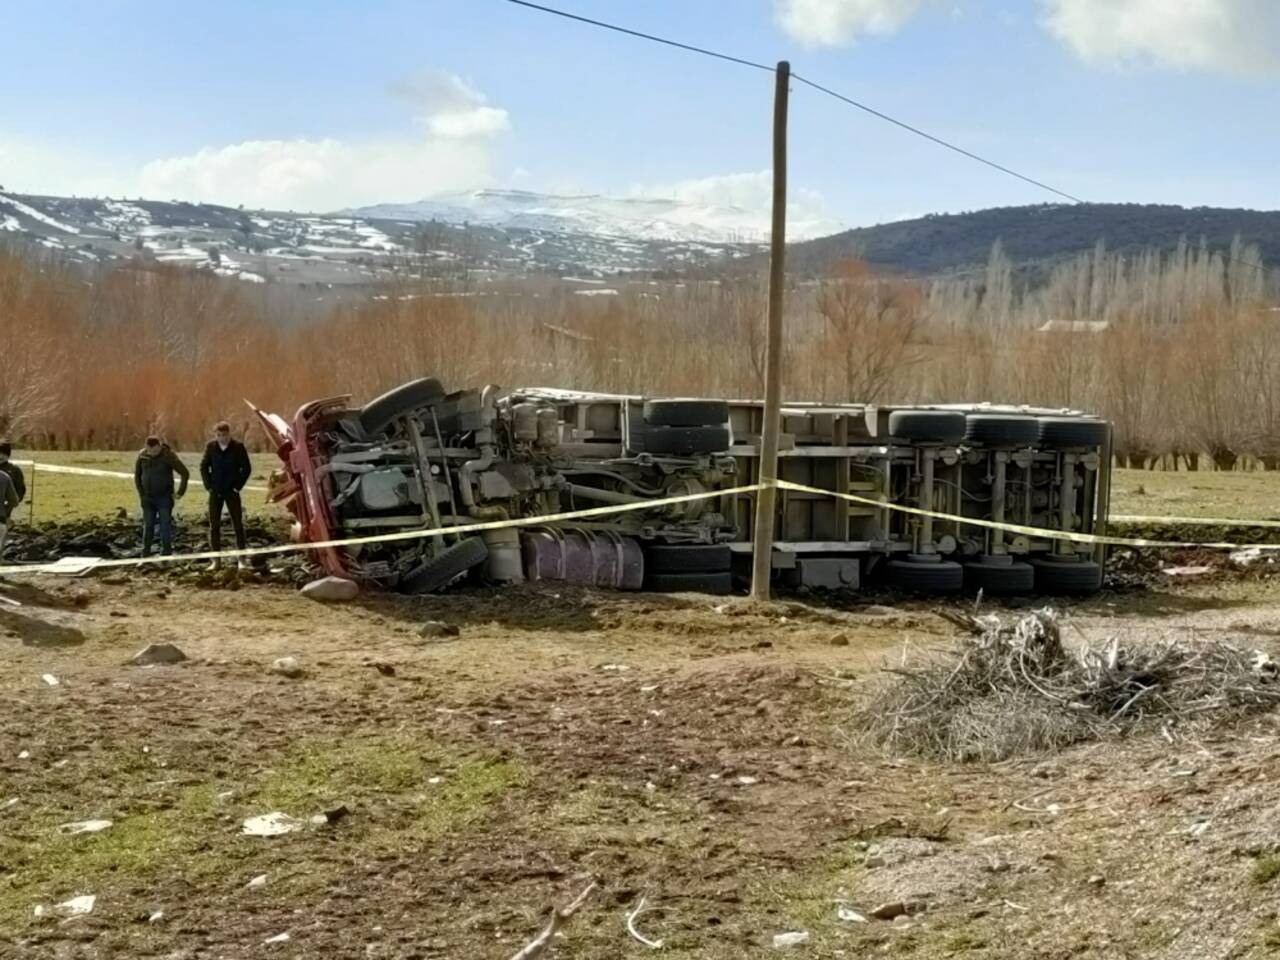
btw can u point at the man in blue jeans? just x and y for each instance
(153, 476)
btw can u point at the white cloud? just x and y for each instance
(452, 150)
(451, 108)
(30, 166)
(1231, 36)
(751, 195)
(834, 23)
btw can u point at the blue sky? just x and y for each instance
(324, 104)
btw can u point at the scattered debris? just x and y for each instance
(781, 941)
(631, 927)
(1197, 571)
(614, 667)
(331, 590)
(747, 781)
(536, 946)
(1246, 556)
(1013, 687)
(75, 907)
(849, 915)
(51, 680)
(271, 824)
(434, 629)
(287, 667)
(1097, 880)
(84, 826)
(24, 755)
(259, 881)
(158, 653)
(278, 938)
(156, 916)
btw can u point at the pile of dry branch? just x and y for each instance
(1013, 687)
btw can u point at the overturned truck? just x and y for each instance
(421, 458)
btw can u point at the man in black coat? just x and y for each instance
(153, 476)
(13, 487)
(225, 469)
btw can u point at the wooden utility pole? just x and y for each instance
(766, 498)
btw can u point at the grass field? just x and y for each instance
(1236, 496)
(62, 497)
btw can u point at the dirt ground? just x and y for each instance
(694, 752)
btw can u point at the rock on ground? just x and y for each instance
(287, 667)
(154, 653)
(331, 589)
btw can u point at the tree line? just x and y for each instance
(1181, 349)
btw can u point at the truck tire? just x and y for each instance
(688, 558)
(999, 579)
(928, 426)
(718, 584)
(683, 441)
(945, 576)
(446, 566)
(1059, 433)
(685, 413)
(376, 415)
(1056, 577)
(999, 430)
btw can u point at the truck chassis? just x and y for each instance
(420, 458)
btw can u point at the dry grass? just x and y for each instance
(1013, 687)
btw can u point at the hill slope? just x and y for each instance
(1031, 235)
(512, 236)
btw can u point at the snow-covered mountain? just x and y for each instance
(636, 218)
(487, 235)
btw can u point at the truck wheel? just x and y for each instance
(929, 426)
(999, 579)
(446, 566)
(1059, 577)
(376, 415)
(995, 430)
(945, 576)
(688, 558)
(685, 413)
(714, 583)
(1065, 432)
(683, 441)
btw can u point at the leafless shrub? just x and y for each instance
(1013, 687)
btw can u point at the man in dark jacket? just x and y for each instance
(8, 503)
(12, 470)
(153, 476)
(225, 469)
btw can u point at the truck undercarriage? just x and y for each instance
(420, 458)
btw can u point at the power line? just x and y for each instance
(938, 140)
(880, 115)
(816, 86)
(643, 36)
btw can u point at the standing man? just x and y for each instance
(153, 476)
(13, 487)
(13, 471)
(225, 469)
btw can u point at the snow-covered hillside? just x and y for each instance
(490, 233)
(636, 218)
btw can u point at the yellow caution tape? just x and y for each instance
(592, 512)
(93, 472)
(398, 535)
(1040, 532)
